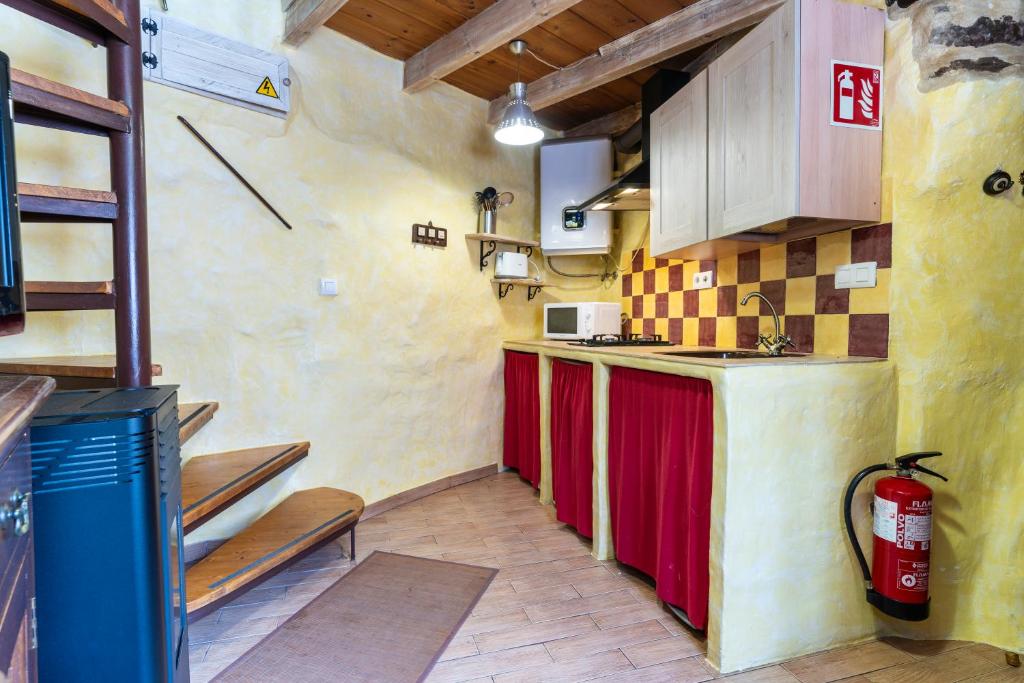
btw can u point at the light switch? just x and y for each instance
(857, 275)
(703, 279)
(328, 287)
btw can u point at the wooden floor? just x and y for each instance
(553, 613)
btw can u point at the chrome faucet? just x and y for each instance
(775, 346)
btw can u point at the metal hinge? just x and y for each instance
(149, 60)
(35, 640)
(150, 26)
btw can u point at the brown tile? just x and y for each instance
(828, 299)
(727, 300)
(613, 618)
(461, 646)
(771, 674)
(571, 608)
(775, 290)
(869, 335)
(706, 331)
(576, 647)
(569, 563)
(661, 305)
(489, 606)
(489, 664)
(660, 262)
(675, 330)
(649, 327)
(800, 328)
(599, 586)
(925, 648)
(748, 268)
(1014, 675)
(691, 303)
(675, 278)
(638, 260)
(534, 633)
(872, 244)
(801, 257)
(713, 267)
(594, 666)
(948, 667)
(638, 307)
(834, 665)
(690, 670)
(664, 650)
(648, 282)
(494, 622)
(746, 332)
(627, 285)
(559, 578)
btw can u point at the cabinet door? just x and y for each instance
(17, 581)
(752, 128)
(679, 156)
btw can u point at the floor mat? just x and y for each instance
(386, 621)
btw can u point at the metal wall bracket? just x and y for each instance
(484, 255)
(504, 289)
(521, 248)
(532, 291)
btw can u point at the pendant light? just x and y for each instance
(518, 125)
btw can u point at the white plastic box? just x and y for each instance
(571, 172)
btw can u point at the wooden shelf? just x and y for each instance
(193, 416)
(56, 204)
(501, 239)
(94, 20)
(303, 521)
(69, 296)
(211, 483)
(92, 367)
(41, 102)
(505, 285)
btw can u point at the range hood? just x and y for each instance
(632, 190)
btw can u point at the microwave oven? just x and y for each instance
(12, 287)
(581, 320)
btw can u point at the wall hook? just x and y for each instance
(998, 182)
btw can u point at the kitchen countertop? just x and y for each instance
(656, 353)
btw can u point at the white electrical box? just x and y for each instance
(182, 56)
(857, 275)
(571, 172)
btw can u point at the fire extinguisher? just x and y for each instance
(897, 583)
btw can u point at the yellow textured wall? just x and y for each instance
(958, 333)
(396, 382)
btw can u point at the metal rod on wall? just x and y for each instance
(233, 170)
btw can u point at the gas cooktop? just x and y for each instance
(622, 340)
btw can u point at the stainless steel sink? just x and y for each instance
(727, 355)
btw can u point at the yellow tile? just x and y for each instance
(832, 334)
(800, 295)
(773, 262)
(661, 327)
(661, 280)
(728, 268)
(754, 305)
(833, 250)
(690, 268)
(675, 304)
(725, 332)
(627, 305)
(648, 305)
(874, 299)
(766, 324)
(708, 302)
(690, 335)
(636, 326)
(648, 260)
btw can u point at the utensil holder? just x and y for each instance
(489, 221)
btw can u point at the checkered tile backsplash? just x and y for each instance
(798, 277)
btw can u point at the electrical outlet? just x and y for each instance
(857, 275)
(430, 235)
(328, 287)
(702, 280)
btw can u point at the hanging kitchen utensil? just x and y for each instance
(505, 198)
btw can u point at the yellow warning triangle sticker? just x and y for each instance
(267, 88)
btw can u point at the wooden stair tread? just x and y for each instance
(38, 100)
(300, 522)
(210, 483)
(53, 287)
(93, 367)
(193, 416)
(69, 296)
(45, 203)
(94, 19)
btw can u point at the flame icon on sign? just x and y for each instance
(867, 99)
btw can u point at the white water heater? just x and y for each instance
(571, 172)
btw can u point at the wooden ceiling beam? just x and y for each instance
(492, 28)
(699, 24)
(302, 17)
(612, 124)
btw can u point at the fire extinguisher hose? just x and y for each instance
(848, 515)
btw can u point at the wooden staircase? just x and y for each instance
(210, 483)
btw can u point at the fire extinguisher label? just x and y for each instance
(912, 530)
(913, 576)
(885, 519)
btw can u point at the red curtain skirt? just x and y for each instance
(522, 415)
(660, 437)
(572, 443)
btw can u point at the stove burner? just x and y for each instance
(621, 340)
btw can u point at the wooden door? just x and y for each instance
(752, 128)
(17, 584)
(679, 156)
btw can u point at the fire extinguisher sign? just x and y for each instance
(856, 95)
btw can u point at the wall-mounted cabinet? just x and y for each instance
(777, 168)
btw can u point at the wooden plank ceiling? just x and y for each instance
(401, 28)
